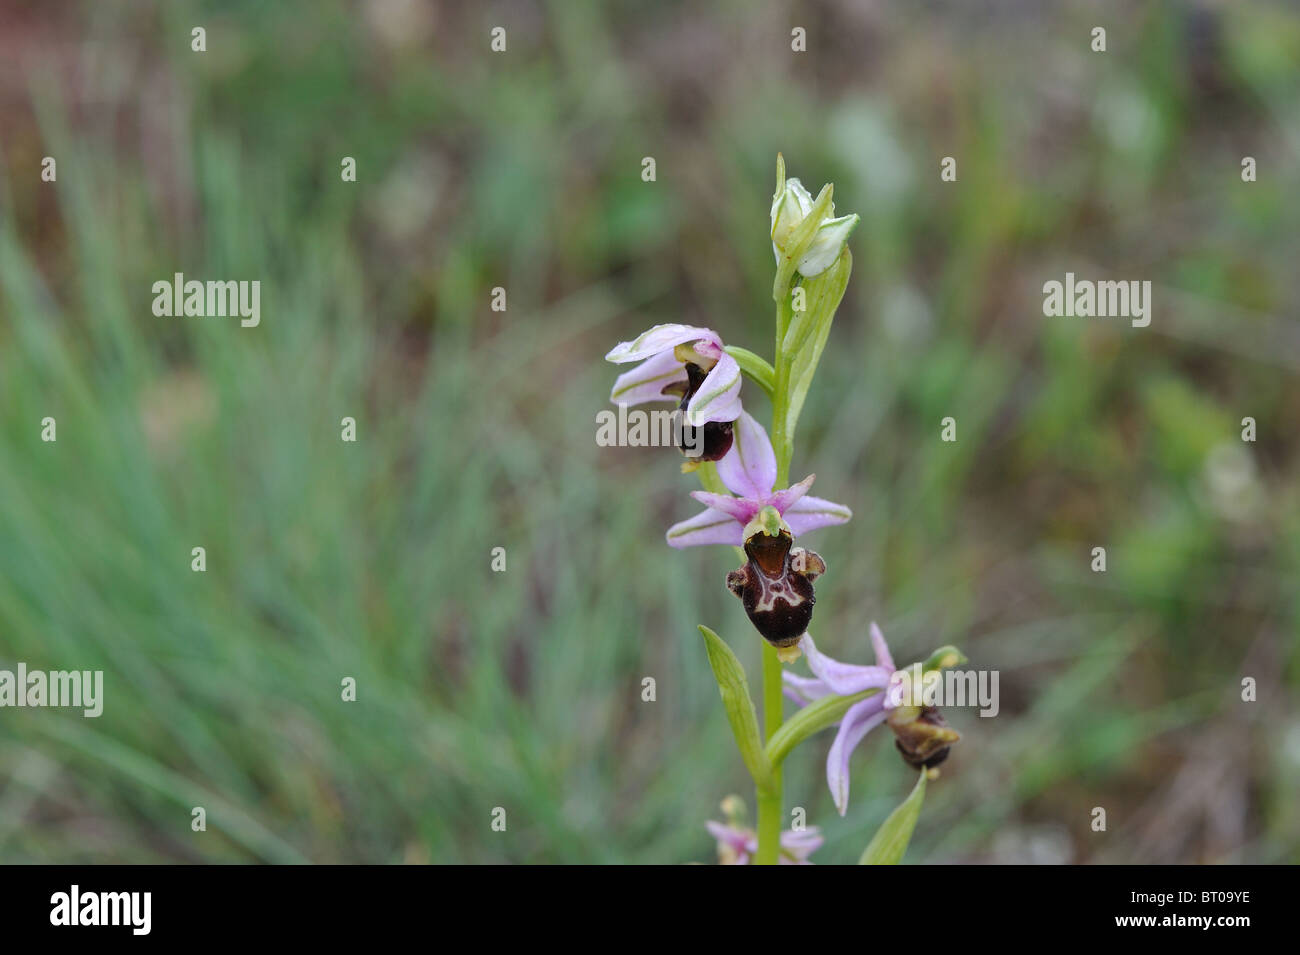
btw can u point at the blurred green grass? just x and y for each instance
(476, 429)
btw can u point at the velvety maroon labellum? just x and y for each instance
(711, 440)
(713, 444)
(775, 586)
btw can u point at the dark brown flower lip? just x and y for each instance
(770, 554)
(923, 762)
(775, 586)
(707, 442)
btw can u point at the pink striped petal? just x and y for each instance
(809, 513)
(738, 507)
(860, 720)
(803, 689)
(708, 527)
(718, 397)
(844, 678)
(646, 381)
(658, 339)
(784, 500)
(749, 468)
(883, 657)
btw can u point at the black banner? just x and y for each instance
(333, 904)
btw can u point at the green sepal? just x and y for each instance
(755, 366)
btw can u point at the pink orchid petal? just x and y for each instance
(844, 678)
(646, 381)
(727, 835)
(718, 397)
(785, 499)
(658, 339)
(860, 720)
(883, 657)
(793, 697)
(803, 689)
(796, 847)
(710, 349)
(707, 527)
(802, 842)
(749, 468)
(809, 513)
(738, 507)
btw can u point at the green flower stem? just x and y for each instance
(767, 793)
(781, 396)
(769, 799)
(707, 472)
(769, 802)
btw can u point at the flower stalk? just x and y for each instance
(770, 803)
(820, 313)
(769, 800)
(750, 505)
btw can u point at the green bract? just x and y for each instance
(890, 841)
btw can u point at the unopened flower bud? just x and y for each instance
(815, 247)
(733, 807)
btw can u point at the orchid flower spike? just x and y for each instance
(775, 584)
(689, 365)
(922, 736)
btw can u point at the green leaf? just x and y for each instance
(824, 295)
(813, 718)
(739, 706)
(890, 841)
(755, 367)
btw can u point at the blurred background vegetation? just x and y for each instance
(476, 428)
